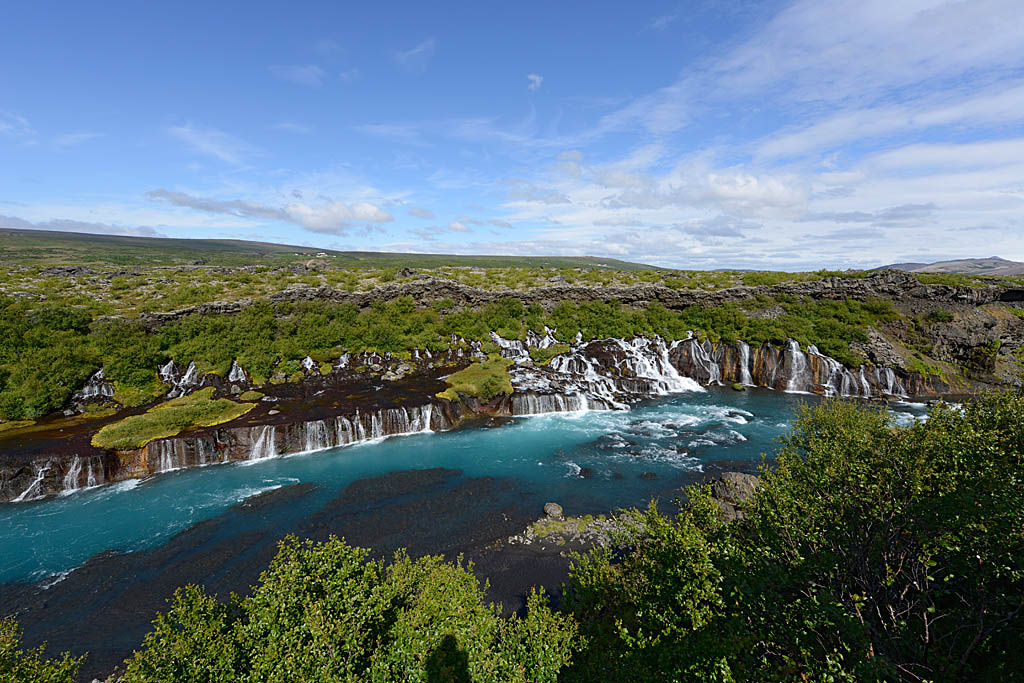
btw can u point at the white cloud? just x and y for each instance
(69, 225)
(416, 58)
(329, 216)
(456, 226)
(664, 21)
(15, 126)
(303, 74)
(214, 143)
(421, 213)
(535, 81)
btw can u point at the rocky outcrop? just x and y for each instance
(732, 492)
(888, 284)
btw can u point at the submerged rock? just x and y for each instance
(553, 510)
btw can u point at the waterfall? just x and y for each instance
(166, 450)
(864, 382)
(745, 377)
(317, 436)
(96, 386)
(237, 374)
(169, 373)
(799, 377)
(188, 381)
(264, 446)
(72, 476)
(360, 430)
(90, 476)
(308, 364)
(35, 489)
(539, 404)
(702, 358)
(888, 383)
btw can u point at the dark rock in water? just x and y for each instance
(618, 475)
(733, 490)
(648, 475)
(586, 473)
(553, 510)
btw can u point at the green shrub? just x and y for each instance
(870, 552)
(327, 612)
(18, 665)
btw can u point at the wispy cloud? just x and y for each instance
(406, 133)
(329, 216)
(15, 126)
(213, 142)
(309, 75)
(417, 58)
(664, 21)
(67, 225)
(349, 75)
(421, 213)
(535, 81)
(74, 139)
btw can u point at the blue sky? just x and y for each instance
(701, 134)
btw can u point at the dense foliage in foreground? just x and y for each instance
(870, 552)
(47, 352)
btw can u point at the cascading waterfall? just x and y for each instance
(90, 476)
(264, 445)
(71, 477)
(702, 357)
(237, 374)
(799, 377)
(540, 404)
(745, 377)
(35, 489)
(317, 437)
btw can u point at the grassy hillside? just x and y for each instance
(50, 248)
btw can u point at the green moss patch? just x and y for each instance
(251, 395)
(485, 379)
(544, 356)
(168, 419)
(15, 424)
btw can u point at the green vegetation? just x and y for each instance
(170, 418)
(326, 612)
(870, 552)
(251, 395)
(544, 356)
(940, 315)
(48, 351)
(15, 424)
(485, 379)
(17, 666)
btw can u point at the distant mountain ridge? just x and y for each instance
(23, 246)
(993, 265)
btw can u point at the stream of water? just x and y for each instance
(590, 462)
